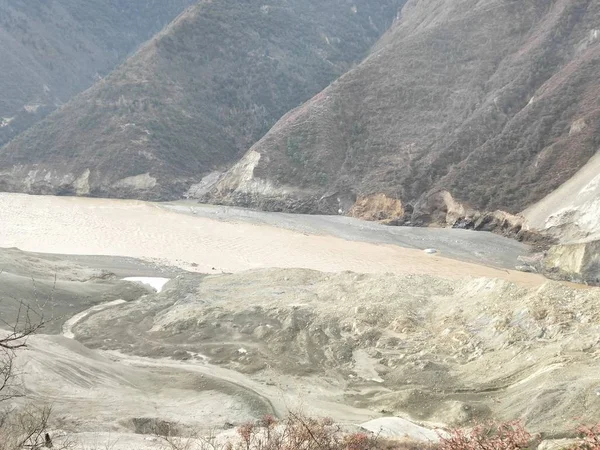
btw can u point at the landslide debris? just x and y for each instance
(436, 350)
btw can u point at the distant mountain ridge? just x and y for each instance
(193, 99)
(52, 50)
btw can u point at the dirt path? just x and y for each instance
(67, 330)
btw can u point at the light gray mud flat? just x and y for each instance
(465, 245)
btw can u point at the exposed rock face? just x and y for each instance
(571, 215)
(192, 100)
(492, 102)
(441, 209)
(574, 262)
(572, 212)
(380, 208)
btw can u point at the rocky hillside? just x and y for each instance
(571, 215)
(462, 106)
(50, 51)
(195, 98)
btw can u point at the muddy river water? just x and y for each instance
(213, 239)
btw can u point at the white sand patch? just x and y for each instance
(396, 427)
(143, 181)
(107, 440)
(5, 121)
(32, 108)
(537, 373)
(156, 283)
(69, 324)
(364, 366)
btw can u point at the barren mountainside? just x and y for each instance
(195, 98)
(487, 104)
(52, 50)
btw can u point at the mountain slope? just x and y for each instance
(572, 212)
(193, 99)
(496, 102)
(50, 51)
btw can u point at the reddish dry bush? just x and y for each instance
(298, 432)
(590, 438)
(246, 433)
(490, 436)
(358, 441)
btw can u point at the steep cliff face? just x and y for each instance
(194, 98)
(495, 102)
(571, 213)
(578, 262)
(52, 50)
(571, 216)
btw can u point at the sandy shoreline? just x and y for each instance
(84, 226)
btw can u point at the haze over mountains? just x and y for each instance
(52, 50)
(194, 98)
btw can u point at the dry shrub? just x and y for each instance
(590, 438)
(27, 428)
(296, 432)
(489, 436)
